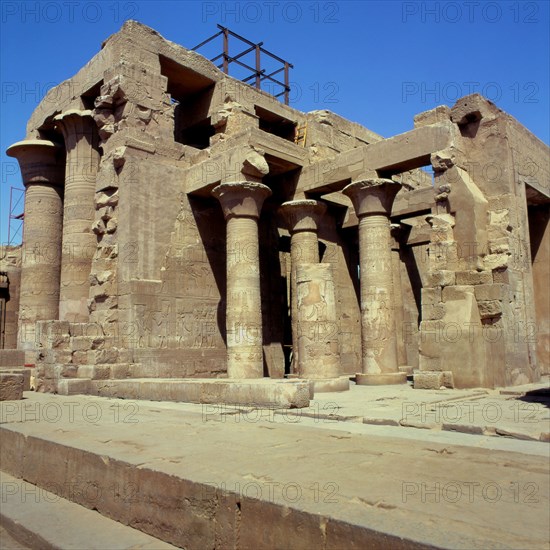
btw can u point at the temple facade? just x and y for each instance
(181, 225)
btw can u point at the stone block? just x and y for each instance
(441, 113)
(382, 379)
(501, 276)
(431, 296)
(433, 312)
(327, 385)
(431, 380)
(66, 371)
(441, 278)
(448, 380)
(496, 291)
(80, 357)
(81, 343)
(497, 261)
(74, 386)
(456, 292)
(103, 356)
(120, 370)
(474, 277)
(472, 108)
(282, 394)
(489, 308)
(12, 358)
(11, 386)
(94, 372)
(25, 371)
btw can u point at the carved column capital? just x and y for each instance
(75, 124)
(372, 196)
(242, 199)
(41, 161)
(303, 215)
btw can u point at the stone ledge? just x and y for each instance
(36, 521)
(326, 385)
(382, 379)
(285, 394)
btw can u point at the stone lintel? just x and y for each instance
(226, 159)
(393, 155)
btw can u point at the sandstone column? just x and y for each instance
(42, 169)
(79, 242)
(373, 200)
(241, 204)
(318, 335)
(302, 218)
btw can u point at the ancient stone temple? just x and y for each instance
(189, 237)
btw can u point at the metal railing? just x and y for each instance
(258, 74)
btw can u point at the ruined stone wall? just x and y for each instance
(478, 307)
(10, 264)
(531, 165)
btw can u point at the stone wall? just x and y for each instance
(10, 267)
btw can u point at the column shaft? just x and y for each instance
(372, 201)
(243, 307)
(241, 204)
(304, 248)
(302, 217)
(377, 312)
(79, 242)
(42, 172)
(317, 327)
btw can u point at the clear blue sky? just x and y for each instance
(375, 62)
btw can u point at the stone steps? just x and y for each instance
(226, 482)
(38, 518)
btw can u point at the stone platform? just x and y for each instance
(258, 392)
(329, 385)
(221, 476)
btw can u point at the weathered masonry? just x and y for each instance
(181, 225)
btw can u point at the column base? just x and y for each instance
(382, 379)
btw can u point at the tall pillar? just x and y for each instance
(241, 204)
(79, 242)
(318, 335)
(302, 218)
(398, 301)
(373, 200)
(42, 169)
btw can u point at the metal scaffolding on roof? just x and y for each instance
(258, 74)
